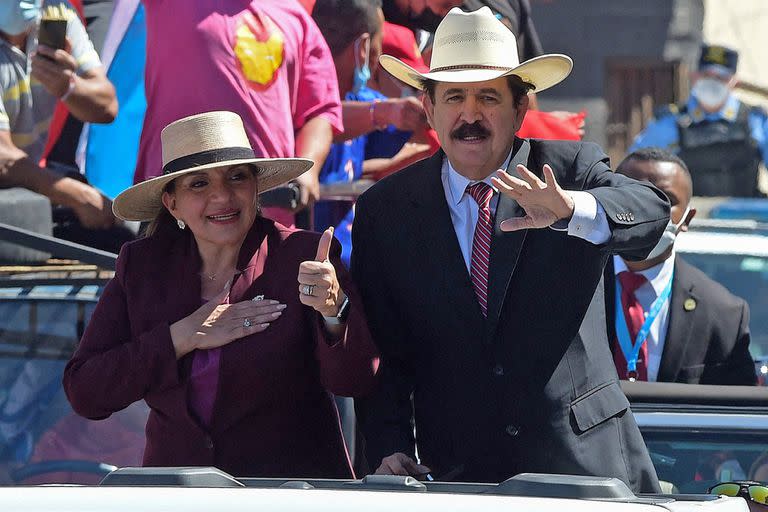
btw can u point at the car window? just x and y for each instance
(747, 277)
(694, 461)
(41, 439)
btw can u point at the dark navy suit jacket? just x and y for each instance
(533, 386)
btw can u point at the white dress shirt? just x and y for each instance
(588, 221)
(658, 277)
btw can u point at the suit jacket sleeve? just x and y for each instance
(739, 367)
(385, 415)
(111, 369)
(348, 365)
(637, 212)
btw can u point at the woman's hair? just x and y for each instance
(164, 219)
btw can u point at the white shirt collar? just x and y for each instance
(658, 276)
(457, 182)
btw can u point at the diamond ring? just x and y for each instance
(307, 289)
(247, 322)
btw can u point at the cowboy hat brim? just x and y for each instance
(142, 201)
(543, 72)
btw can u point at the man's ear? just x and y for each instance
(522, 108)
(687, 220)
(429, 108)
(364, 48)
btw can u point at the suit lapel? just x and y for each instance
(436, 235)
(505, 246)
(681, 321)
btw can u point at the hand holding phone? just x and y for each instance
(53, 33)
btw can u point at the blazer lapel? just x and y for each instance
(505, 246)
(184, 277)
(681, 321)
(451, 282)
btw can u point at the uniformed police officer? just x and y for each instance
(722, 140)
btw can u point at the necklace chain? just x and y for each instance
(212, 277)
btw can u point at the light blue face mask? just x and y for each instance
(362, 73)
(16, 17)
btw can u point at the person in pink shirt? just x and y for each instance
(263, 59)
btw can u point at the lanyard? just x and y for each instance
(629, 349)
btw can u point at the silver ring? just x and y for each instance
(247, 322)
(307, 289)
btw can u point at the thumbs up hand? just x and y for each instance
(318, 286)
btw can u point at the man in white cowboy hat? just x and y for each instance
(478, 269)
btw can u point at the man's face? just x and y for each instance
(667, 177)
(711, 89)
(476, 123)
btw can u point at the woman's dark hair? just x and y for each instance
(163, 218)
(518, 87)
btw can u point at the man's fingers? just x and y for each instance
(549, 177)
(393, 465)
(529, 177)
(401, 464)
(505, 189)
(511, 181)
(416, 469)
(516, 223)
(324, 246)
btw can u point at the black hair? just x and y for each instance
(655, 154)
(343, 21)
(518, 87)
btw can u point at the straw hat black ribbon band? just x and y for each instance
(212, 156)
(462, 67)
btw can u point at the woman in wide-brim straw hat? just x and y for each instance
(233, 328)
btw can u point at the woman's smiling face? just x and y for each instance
(218, 205)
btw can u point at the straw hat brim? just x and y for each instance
(543, 72)
(142, 201)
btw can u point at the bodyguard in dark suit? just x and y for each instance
(697, 331)
(481, 287)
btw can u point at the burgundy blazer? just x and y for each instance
(273, 415)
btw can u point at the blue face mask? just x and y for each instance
(17, 16)
(362, 73)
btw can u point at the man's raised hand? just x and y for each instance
(544, 202)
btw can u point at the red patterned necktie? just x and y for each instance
(481, 245)
(634, 315)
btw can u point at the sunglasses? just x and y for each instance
(747, 490)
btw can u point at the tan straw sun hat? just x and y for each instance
(475, 47)
(195, 143)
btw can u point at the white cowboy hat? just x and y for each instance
(195, 143)
(475, 47)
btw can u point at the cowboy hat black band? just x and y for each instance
(212, 156)
(469, 66)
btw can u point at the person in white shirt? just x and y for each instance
(672, 323)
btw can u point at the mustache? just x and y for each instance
(470, 130)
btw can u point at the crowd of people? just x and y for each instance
(511, 280)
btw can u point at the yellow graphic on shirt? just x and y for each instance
(259, 47)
